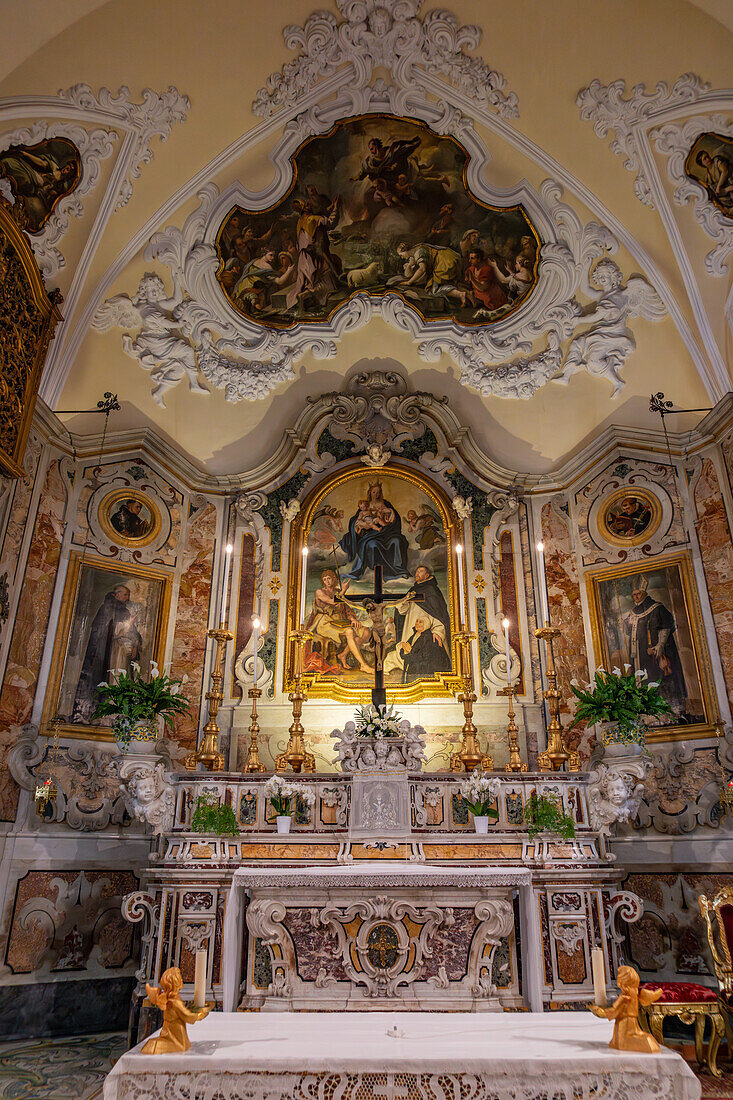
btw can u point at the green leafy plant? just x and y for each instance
(285, 796)
(621, 697)
(478, 792)
(211, 817)
(129, 699)
(543, 814)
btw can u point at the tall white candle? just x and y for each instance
(542, 582)
(505, 624)
(225, 585)
(303, 578)
(255, 643)
(599, 977)
(199, 979)
(461, 597)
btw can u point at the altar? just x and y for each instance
(432, 1055)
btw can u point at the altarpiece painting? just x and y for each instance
(112, 615)
(359, 521)
(648, 616)
(378, 205)
(710, 162)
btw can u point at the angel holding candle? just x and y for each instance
(627, 1033)
(173, 1038)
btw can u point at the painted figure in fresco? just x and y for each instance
(318, 270)
(630, 518)
(423, 631)
(717, 178)
(427, 527)
(385, 165)
(331, 621)
(39, 176)
(375, 537)
(649, 628)
(481, 276)
(128, 521)
(114, 643)
(327, 527)
(438, 270)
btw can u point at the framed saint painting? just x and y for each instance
(111, 615)
(629, 517)
(361, 520)
(648, 615)
(129, 517)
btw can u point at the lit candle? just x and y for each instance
(303, 575)
(255, 643)
(542, 581)
(459, 556)
(599, 977)
(225, 585)
(199, 979)
(505, 624)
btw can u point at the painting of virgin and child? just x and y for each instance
(378, 205)
(361, 524)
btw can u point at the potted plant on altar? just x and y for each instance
(136, 705)
(478, 792)
(543, 813)
(617, 702)
(284, 798)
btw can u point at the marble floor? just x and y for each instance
(58, 1069)
(75, 1068)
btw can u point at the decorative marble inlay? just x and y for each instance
(714, 535)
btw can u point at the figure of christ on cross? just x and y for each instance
(374, 604)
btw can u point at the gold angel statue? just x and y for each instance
(173, 1038)
(627, 1034)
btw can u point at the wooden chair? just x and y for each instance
(720, 938)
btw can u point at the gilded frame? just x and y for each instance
(105, 514)
(654, 505)
(703, 667)
(420, 124)
(61, 642)
(318, 686)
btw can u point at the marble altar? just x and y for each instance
(434, 1055)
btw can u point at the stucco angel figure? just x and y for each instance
(604, 348)
(414, 747)
(161, 345)
(150, 797)
(462, 506)
(613, 798)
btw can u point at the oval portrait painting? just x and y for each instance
(629, 517)
(129, 517)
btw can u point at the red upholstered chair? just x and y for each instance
(692, 1004)
(720, 938)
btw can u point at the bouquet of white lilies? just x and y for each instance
(283, 795)
(380, 722)
(478, 792)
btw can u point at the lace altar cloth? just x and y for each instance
(438, 1056)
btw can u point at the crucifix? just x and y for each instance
(374, 604)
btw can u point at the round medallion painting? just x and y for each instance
(128, 517)
(629, 517)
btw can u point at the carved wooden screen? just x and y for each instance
(28, 317)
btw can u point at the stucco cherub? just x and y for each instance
(150, 797)
(161, 345)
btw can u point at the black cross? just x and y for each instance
(379, 693)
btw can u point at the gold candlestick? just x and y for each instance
(208, 751)
(295, 755)
(253, 758)
(515, 764)
(556, 754)
(470, 755)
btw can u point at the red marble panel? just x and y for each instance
(192, 617)
(509, 601)
(29, 630)
(245, 600)
(716, 550)
(563, 589)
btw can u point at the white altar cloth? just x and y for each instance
(438, 1056)
(378, 874)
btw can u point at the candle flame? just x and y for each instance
(256, 623)
(540, 547)
(305, 551)
(459, 549)
(505, 623)
(229, 548)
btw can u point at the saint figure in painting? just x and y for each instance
(39, 176)
(114, 643)
(630, 518)
(650, 628)
(128, 521)
(333, 621)
(718, 178)
(423, 631)
(375, 537)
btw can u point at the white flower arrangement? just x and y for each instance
(282, 795)
(478, 792)
(379, 722)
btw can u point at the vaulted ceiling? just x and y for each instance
(192, 130)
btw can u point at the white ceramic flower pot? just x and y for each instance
(481, 824)
(283, 823)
